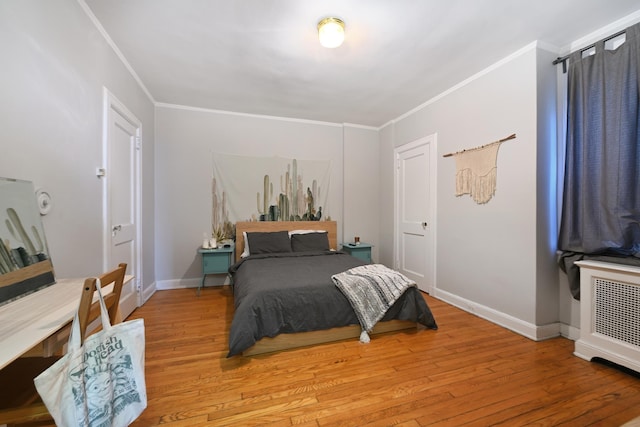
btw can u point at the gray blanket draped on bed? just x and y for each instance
(371, 289)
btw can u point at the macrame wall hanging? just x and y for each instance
(477, 170)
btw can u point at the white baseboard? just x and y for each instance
(163, 285)
(570, 332)
(148, 292)
(587, 351)
(212, 280)
(529, 330)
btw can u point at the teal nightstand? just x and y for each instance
(216, 261)
(361, 251)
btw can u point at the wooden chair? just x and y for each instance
(21, 404)
(90, 311)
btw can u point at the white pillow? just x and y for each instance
(306, 231)
(245, 252)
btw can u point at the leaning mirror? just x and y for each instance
(25, 265)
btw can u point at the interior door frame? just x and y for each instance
(431, 140)
(113, 105)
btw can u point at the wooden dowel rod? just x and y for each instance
(512, 136)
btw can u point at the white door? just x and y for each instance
(122, 195)
(415, 211)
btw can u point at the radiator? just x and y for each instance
(609, 313)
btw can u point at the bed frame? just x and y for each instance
(301, 339)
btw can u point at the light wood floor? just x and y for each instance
(469, 372)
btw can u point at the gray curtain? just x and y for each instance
(601, 199)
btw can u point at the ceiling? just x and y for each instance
(263, 57)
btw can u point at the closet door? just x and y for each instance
(415, 197)
(122, 201)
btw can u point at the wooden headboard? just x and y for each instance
(265, 226)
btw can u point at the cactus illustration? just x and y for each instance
(260, 210)
(265, 194)
(308, 215)
(285, 182)
(266, 198)
(299, 197)
(221, 228)
(315, 189)
(283, 206)
(39, 241)
(294, 187)
(286, 197)
(22, 234)
(11, 260)
(6, 263)
(215, 215)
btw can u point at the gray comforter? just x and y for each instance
(293, 292)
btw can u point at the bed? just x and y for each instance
(284, 296)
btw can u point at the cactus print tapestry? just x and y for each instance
(269, 189)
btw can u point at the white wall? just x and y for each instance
(361, 189)
(186, 141)
(55, 65)
(547, 284)
(386, 185)
(489, 256)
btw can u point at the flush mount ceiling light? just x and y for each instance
(331, 32)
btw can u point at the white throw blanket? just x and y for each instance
(371, 289)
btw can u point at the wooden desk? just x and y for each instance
(40, 322)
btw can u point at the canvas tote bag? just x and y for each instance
(99, 383)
